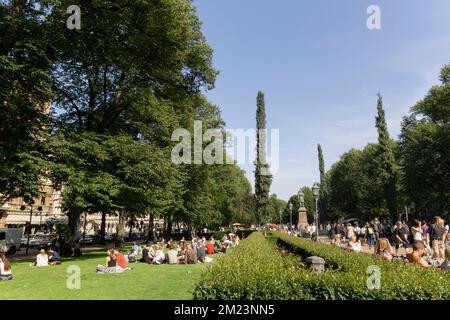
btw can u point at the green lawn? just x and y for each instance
(172, 282)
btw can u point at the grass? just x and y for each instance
(143, 282)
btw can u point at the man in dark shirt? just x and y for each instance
(437, 230)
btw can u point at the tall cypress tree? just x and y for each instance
(323, 184)
(263, 178)
(387, 160)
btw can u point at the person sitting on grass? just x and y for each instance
(415, 257)
(172, 254)
(147, 257)
(336, 240)
(446, 264)
(120, 260)
(136, 249)
(110, 263)
(353, 244)
(54, 257)
(210, 247)
(224, 247)
(41, 259)
(159, 255)
(201, 252)
(5, 269)
(191, 256)
(383, 249)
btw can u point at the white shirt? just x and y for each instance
(41, 261)
(159, 257)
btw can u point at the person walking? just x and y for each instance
(437, 232)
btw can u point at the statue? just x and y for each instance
(302, 212)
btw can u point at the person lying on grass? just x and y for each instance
(5, 269)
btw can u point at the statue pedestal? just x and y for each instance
(302, 218)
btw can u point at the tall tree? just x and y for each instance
(25, 91)
(425, 149)
(323, 185)
(388, 165)
(263, 177)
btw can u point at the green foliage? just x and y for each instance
(24, 90)
(253, 271)
(387, 172)
(263, 178)
(425, 149)
(348, 274)
(257, 271)
(323, 199)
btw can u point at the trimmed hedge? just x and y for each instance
(349, 271)
(257, 271)
(253, 271)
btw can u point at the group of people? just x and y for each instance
(425, 245)
(115, 262)
(183, 252)
(44, 259)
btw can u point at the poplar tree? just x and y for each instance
(387, 160)
(323, 184)
(263, 178)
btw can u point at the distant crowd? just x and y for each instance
(424, 244)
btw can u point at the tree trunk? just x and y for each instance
(121, 225)
(168, 230)
(151, 228)
(131, 227)
(103, 228)
(69, 239)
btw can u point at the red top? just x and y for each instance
(210, 248)
(121, 262)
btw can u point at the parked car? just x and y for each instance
(45, 241)
(87, 240)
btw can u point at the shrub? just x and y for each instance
(349, 270)
(257, 271)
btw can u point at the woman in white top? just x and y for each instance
(42, 259)
(416, 230)
(5, 269)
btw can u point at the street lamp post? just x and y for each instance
(29, 202)
(290, 210)
(315, 191)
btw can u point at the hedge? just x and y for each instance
(256, 270)
(253, 271)
(398, 280)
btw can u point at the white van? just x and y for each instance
(10, 240)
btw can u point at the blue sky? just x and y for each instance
(321, 68)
